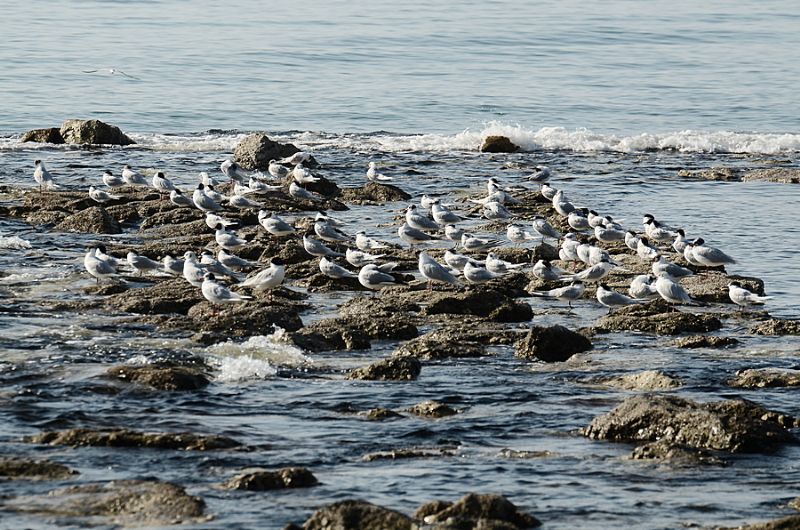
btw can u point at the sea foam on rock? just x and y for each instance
(498, 144)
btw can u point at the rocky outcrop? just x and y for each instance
(476, 511)
(392, 369)
(50, 135)
(712, 286)
(791, 522)
(765, 378)
(170, 296)
(784, 175)
(256, 150)
(551, 344)
(93, 220)
(498, 144)
(127, 438)
(646, 381)
(354, 329)
(161, 376)
(15, 468)
(263, 480)
(432, 409)
(776, 326)
(441, 344)
(736, 426)
(482, 302)
(227, 321)
(93, 132)
(374, 193)
(706, 341)
(657, 317)
(357, 515)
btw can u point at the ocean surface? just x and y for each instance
(616, 97)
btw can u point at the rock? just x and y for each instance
(380, 414)
(323, 186)
(646, 381)
(478, 511)
(227, 320)
(551, 344)
(727, 174)
(353, 330)
(411, 452)
(791, 522)
(357, 515)
(656, 317)
(706, 341)
(777, 326)
(256, 150)
(441, 344)
(498, 144)
(524, 455)
(161, 376)
(675, 454)
(93, 132)
(262, 480)
(374, 193)
(126, 503)
(51, 135)
(392, 369)
(736, 426)
(432, 409)
(93, 220)
(126, 438)
(482, 301)
(765, 378)
(165, 297)
(330, 338)
(12, 467)
(431, 508)
(783, 175)
(712, 286)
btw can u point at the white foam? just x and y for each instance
(255, 358)
(14, 242)
(189, 143)
(245, 368)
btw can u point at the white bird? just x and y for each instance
(709, 256)
(561, 204)
(318, 249)
(596, 272)
(517, 235)
(142, 264)
(300, 157)
(742, 297)
(262, 187)
(242, 189)
(688, 255)
(494, 211)
(212, 220)
(641, 288)
(111, 181)
(671, 291)
(413, 236)
(215, 195)
(544, 229)
(679, 244)
(228, 240)
(433, 271)
(219, 294)
(541, 174)
(193, 271)
(133, 178)
(611, 298)
(472, 243)
(301, 193)
(358, 258)
(374, 176)
(42, 176)
(645, 251)
(632, 240)
(418, 221)
(202, 201)
(594, 219)
(427, 202)
(273, 224)
(548, 192)
(453, 233)
(568, 293)
(112, 71)
(232, 261)
(577, 220)
(301, 175)
(96, 267)
(544, 270)
(327, 232)
(366, 243)
(458, 261)
(476, 274)
(207, 180)
(662, 266)
(656, 231)
(608, 235)
(162, 184)
(239, 201)
(333, 270)
(233, 171)
(374, 279)
(569, 248)
(269, 278)
(443, 215)
(179, 199)
(279, 171)
(102, 254)
(172, 266)
(212, 265)
(499, 266)
(101, 196)
(597, 254)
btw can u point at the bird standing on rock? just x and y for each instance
(744, 298)
(218, 294)
(433, 271)
(42, 176)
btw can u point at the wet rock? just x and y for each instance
(784, 175)
(93, 220)
(170, 296)
(318, 282)
(161, 376)
(727, 174)
(256, 150)
(323, 186)
(706, 341)
(45, 217)
(656, 317)
(12, 467)
(476, 511)
(50, 135)
(263, 480)
(431, 508)
(441, 344)
(736, 426)
(498, 144)
(432, 409)
(357, 515)
(551, 344)
(178, 217)
(411, 452)
(330, 338)
(483, 302)
(712, 286)
(675, 454)
(523, 455)
(379, 414)
(127, 438)
(777, 326)
(354, 330)
(374, 193)
(124, 502)
(646, 381)
(791, 522)
(106, 289)
(93, 132)
(227, 320)
(392, 369)
(765, 378)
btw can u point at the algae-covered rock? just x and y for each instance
(50, 135)
(392, 369)
(777, 326)
(161, 376)
(765, 378)
(551, 344)
(646, 381)
(476, 511)
(15, 468)
(374, 193)
(432, 409)
(128, 438)
(706, 341)
(659, 318)
(264, 480)
(256, 150)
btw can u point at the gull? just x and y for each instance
(318, 249)
(365, 243)
(453, 233)
(471, 243)
(544, 229)
(212, 265)
(679, 244)
(608, 235)
(233, 262)
(321, 216)
(299, 157)
(442, 214)
(548, 192)
(561, 204)
(594, 219)
(418, 221)
(96, 267)
(42, 176)
(233, 171)
(709, 256)
(101, 254)
(328, 232)
(631, 240)
(179, 199)
(644, 250)
(226, 239)
(279, 171)
(541, 174)
(193, 271)
(655, 230)
(493, 185)
(374, 279)
(583, 251)
(597, 254)
(262, 187)
(494, 210)
(662, 266)
(517, 235)
(544, 270)
(302, 175)
(274, 224)
(641, 288)
(569, 248)
(688, 254)
(596, 272)
(269, 278)
(578, 220)
(142, 264)
(358, 258)
(742, 297)
(162, 184)
(568, 293)
(611, 299)
(427, 202)
(374, 176)
(111, 71)
(218, 294)
(476, 274)
(671, 291)
(132, 178)
(212, 220)
(101, 196)
(333, 270)
(242, 189)
(301, 193)
(206, 179)
(239, 201)
(172, 266)
(499, 266)
(202, 201)
(111, 181)
(458, 261)
(609, 222)
(413, 236)
(215, 195)
(433, 271)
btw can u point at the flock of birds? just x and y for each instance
(431, 221)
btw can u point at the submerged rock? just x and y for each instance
(498, 144)
(476, 511)
(357, 515)
(392, 369)
(656, 317)
(411, 452)
(374, 193)
(380, 413)
(706, 341)
(127, 438)
(785, 175)
(50, 135)
(551, 344)
(256, 150)
(765, 378)
(161, 376)
(93, 220)
(736, 426)
(647, 381)
(432, 409)
(12, 467)
(791, 522)
(777, 326)
(675, 454)
(263, 480)
(93, 132)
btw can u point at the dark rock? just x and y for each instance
(675, 454)
(524, 455)
(161, 376)
(170, 296)
(357, 515)
(432, 409)
(330, 338)
(777, 326)
(256, 150)
(374, 193)
(498, 144)
(262, 480)
(353, 330)
(106, 289)
(93, 220)
(324, 187)
(411, 452)
(392, 369)
(706, 341)
(783, 175)
(765, 378)
(51, 135)
(127, 438)
(483, 302)
(736, 426)
(12, 467)
(478, 511)
(551, 344)
(726, 174)
(791, 522)
(125, 503)
(441, 344)
(712, 286)
(227, 320)
(188, 221)
(380, 414)
(430, 508)
(93, 132)
(657, 317)
(646, 381)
